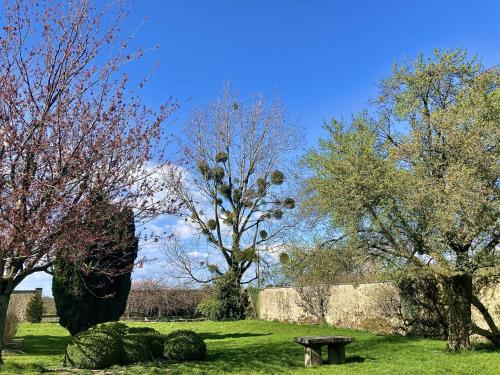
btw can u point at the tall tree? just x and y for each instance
(95, 289)
(233, 186)
(69, 125)
(425, 198)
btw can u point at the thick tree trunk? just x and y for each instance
(459, 298)
(4, 305)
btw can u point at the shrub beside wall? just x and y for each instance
(34, 309)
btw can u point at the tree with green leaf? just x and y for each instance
(233, 187)
(95, 289)
(34, 308)
(419, 184)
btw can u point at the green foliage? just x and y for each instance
(84, 298)
(253, 307)
(236, 195)
(205, 170)
(289, 203)
(184, 345)
(34, 308)
(94, 349)
(218, 173)
(136, 348)
(221, 157)
(428, 196)
(422, 307)
(154, 339)
(233, 299)
(209, 308)
(225, 190)
(114, 343)
(228, 302)
(211, 224)
(277, 178)
(117, 329)
(277, 214)
(261, 186)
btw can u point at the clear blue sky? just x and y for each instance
(324, 58)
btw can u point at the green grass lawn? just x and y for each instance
(258, 347)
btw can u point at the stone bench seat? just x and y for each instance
(312, 348)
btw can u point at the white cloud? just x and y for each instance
(37, 280)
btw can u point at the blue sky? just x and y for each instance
(324, 58)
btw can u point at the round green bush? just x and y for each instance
(94, 349)
(112, 328)
(136, 348)
(154, 339)
(184, 345)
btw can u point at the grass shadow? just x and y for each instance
(218, 336)
(484, 347)
(45, 344)
(357, 359)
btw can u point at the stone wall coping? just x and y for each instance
(335, 284)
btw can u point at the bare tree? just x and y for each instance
(153, 298)
(233, 186)
(69, 127)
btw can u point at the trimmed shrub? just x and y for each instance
(94, 349)
(155, 340)
(34, 309)
(136, 348)
(114, 343)
(184, 345)
(112, 328)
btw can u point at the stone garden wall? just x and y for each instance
(361, 306)
(19, 301)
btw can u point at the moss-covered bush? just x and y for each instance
(184, 345)
(94, 349)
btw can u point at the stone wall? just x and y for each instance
(19, 301)
(361, 306)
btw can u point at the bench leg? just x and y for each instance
(312, 356)
(336, 354)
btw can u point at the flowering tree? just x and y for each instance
(69, 127)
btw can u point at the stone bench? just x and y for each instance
(312, 349)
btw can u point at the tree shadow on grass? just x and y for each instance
(217, 336)
(357, 359)
(272, 357)
(484, 347)
(45, 344)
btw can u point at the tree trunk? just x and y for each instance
(459, 297)
(494, 333)
(4, 305)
